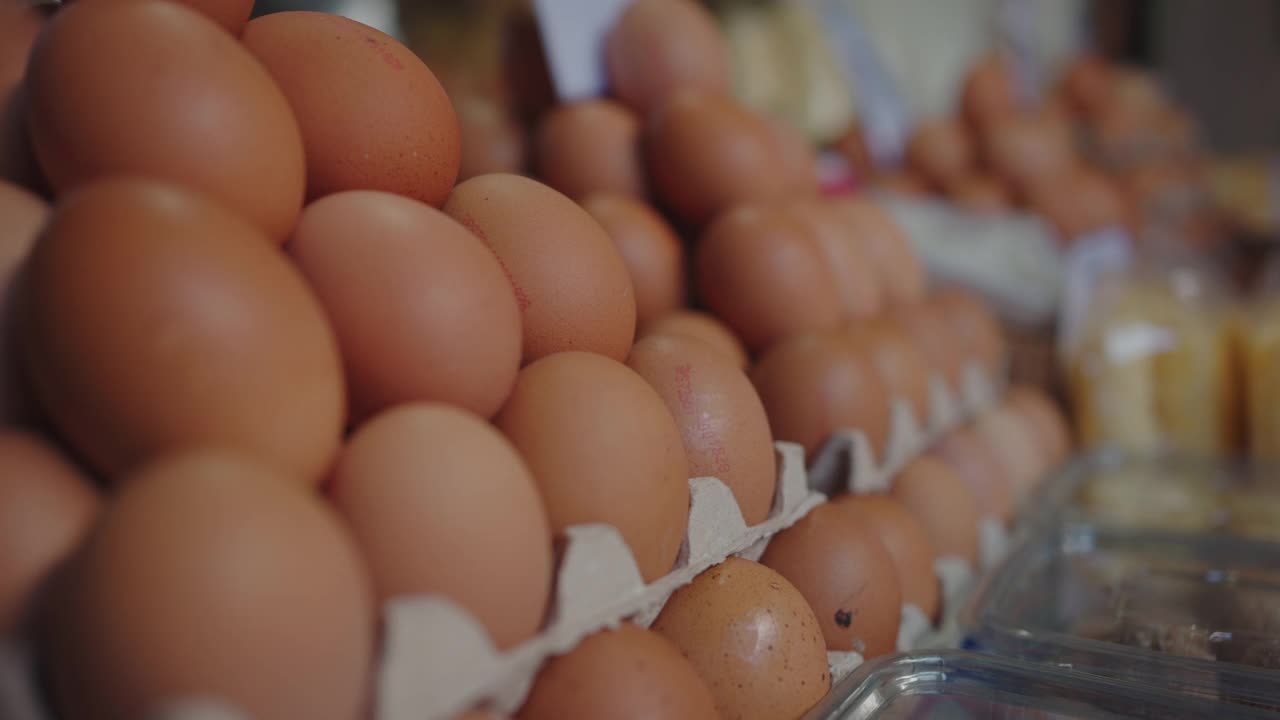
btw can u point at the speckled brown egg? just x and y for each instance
(571, 283)
(154, 88)
(971, 457)
(816, 384)
(627, 673)
(906, 541)
(707, 154)
(901, 366)
(373, 116)
(845, 574)
(943, 504)
(761, 271)
(421, 307)
(857, 282)
(603, 448)
(658, 47)
(752, 638)
(416, 485)
(887, 248)
(201, 333)
(699, 326)
(726, 433)
(591, 146)
(650, 248)
(47, 505)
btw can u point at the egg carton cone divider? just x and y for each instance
(438, 661)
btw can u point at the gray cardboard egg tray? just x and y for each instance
(438, 661)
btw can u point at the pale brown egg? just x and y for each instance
(209, 576)
(1079, 203)
(491, 140)
(706, 154)
(799, 160)
(845, 574)
(979, 193)
(887, 247)
(989, 93)
(213, 120)
(603, 448)
(752, 638)
(201, 333)
(230, 14)
(906, 541)
(24, 215)
(725, 429)
(699, 326)
(927, 325)
(47, 505)
(1046, 419)
(1014, 442)
(943, 504)
(417, 485)
(971, 457)
(650, 248)
(861, 295)
(941, 150)
(659, 47)
(1029, 151)
(571, 283)
(591, 146)
(627, 673)
(761, 271)
(372, 115)
(900, 366)
(976, 330)
(816, 384)
(421, 307)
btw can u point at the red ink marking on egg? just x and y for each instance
(522, 298)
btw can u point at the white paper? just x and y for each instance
(573, 36)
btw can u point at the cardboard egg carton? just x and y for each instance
(847, 465)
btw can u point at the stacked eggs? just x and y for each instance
(308, 372)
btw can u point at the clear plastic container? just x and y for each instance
(960, 685)
(1194, 613)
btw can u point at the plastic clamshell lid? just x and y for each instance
(958, 684)
(1198, 614)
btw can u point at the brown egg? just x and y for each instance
(707, 154)
(625, 674)
(417, 486)
(659, 47)
(887, 247)
(24, 214)
(752, 638)
(20, 23)
(975, 328)
(482, 715)
(900, 366)
(1029, 151)
(591, 146)
(979, 193)
(491, 141)
(1079, 203)
(853, 146)
(906, 541)
(699, 326)
(603, 448)
(1085, 83)
(940, 149)
(369, 256)
(989, 92)
(968, 454)
(570, 281)
(943, 504)
(726, 433)
(1046, 420)
(861, 295)
(373, 116)
(650, 248)
(230, 14)
(799, 160)
(846, 576)
(902, 182)
(213, 120)
(762, 272)
(928, 327)
(210, 576)
(46, 507)
(1016, 446)
(816, 384)
(200, 330)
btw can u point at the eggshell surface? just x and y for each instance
(658, 47)
(906, 541)
(700, 326)
(591, 146)
(650, 248)
(943, 504)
